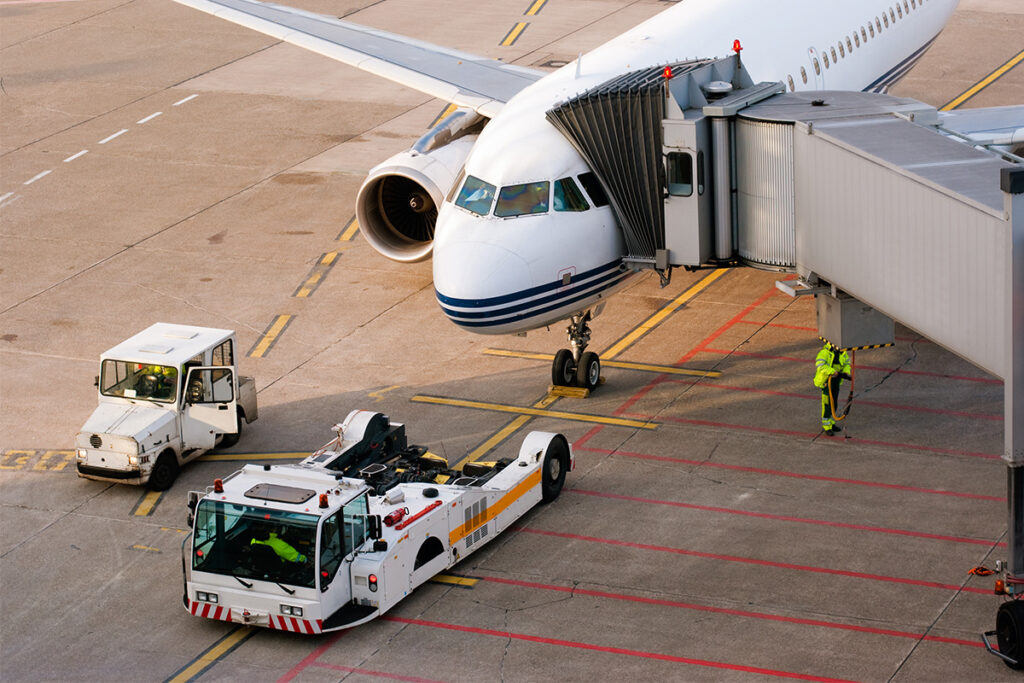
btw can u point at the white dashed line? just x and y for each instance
(37, 177)
(149, 118)
(111, 137)
(75, 156)
(190, 97)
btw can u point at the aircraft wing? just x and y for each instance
(457, 77)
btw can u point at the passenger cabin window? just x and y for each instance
(680, 174)
(899, 10)
(856, 38)
(567, 196)
(892, 15)
(824, 58)
(833, 50)
(522, 200)
(849, 45)
(817, 66)
(476, 196)
(842, 52)
(871, 30)
(864, 34)
(792, 85)
(593, 187)
(803, 74)
(885, 20)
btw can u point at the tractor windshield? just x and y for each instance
(124, 379)
(250, 542)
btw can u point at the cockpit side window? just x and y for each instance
(520, 200)
(594, 189)
(567, 196)
(476, 196)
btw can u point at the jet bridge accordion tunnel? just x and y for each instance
(661, 142)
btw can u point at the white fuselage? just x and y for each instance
(496, 275)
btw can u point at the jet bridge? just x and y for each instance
(887, 210)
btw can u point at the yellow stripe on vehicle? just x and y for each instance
(520, 489)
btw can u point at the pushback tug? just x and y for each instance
(365, 520)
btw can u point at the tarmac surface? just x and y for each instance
(158, 164)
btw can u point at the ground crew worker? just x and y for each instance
(265, 536)
(831, 367)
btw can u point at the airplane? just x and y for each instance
(520, 229)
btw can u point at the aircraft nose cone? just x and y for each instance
(475, 281)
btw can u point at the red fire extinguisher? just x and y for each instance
(395, 516)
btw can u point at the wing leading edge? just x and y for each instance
(460, 78)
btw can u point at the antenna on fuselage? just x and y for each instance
(579, 62)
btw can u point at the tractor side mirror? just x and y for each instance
(373, 525)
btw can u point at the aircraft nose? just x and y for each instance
(476, 282)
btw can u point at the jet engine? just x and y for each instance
(398, 202)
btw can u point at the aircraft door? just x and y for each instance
(210, 406)
(816, 68)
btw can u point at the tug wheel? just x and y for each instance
(588, 374)
(563, 370)
(165, 471)
(556, 464)
(1009, 631)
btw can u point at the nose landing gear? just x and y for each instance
(577, 367)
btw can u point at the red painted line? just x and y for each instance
(817, 397)
(588, 436)
(733, 612)
(798, 520)
(724, 328)
(760, 563)
(872, 368)
(785, 432)
(801, 328)
(369, 672)
(311, 658)
(795, 475)
(611, 650)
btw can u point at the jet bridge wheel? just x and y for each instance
(556, 464)
(1010, 632)
(563, 369)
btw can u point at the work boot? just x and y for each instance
(836, 429)
(829, 431)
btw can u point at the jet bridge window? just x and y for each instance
(680, 174)
(567, 196)
(476, 196)
(523, 199)
(593, 187)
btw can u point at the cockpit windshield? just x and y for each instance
(139, 381)
(476, 196)
(250, 542)
(520, 200)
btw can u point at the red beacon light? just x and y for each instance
(323, 500)
(667, 73)
(736, 47)
(218, 486)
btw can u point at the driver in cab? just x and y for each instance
(265, 535)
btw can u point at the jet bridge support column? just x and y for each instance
(1012, 181)
(1010, 616)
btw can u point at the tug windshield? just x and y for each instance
(139, 381)
(250, 542)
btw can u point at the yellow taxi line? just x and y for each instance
(534, 412)
(270, 336)
(626, 365)
(210, 657)
(985, 82)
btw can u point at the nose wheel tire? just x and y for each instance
(588, 374)
(563, 369)
(1010, 631)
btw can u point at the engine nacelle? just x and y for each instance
(398, 202)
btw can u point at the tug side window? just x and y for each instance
(331, 549)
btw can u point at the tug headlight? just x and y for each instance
(291, 610)
(203, 596)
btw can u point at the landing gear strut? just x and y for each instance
(577, 367)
